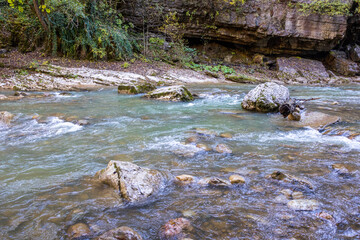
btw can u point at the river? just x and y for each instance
(47, 165)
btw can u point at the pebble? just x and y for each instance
(185, 178)
(287, 193)
(174, 228)
(203, 147)
(326, 216)
(226, 135)
(222, 148)
(78, 230)
(188, 213)
(297, 195)
(214, 181)
(123, 232)
(236, 179)
(3, 97)
(191, 139)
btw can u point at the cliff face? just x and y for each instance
(266, 26)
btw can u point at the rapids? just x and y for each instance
(47, 165)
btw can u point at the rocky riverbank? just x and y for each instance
(33, 72)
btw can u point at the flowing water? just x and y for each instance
(47, 165)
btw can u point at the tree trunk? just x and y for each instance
(40, 16)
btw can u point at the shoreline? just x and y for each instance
(34, 72)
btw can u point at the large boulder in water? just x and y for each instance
(266, 97)
(133, 182)
(173, 93)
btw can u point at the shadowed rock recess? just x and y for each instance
(269, 27)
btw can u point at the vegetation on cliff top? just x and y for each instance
(96, 30)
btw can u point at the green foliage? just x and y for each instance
(325, 7)
(217, 68)
(93, 29)
(125, 65)
(169, 52)
(19, 28)
(86, 28)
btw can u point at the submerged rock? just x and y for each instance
(214, 181)
(266, 97)
(205, 132)
(326, 216)
(21, 94)
(133, 182)
(174, 229)
(303, 205)
(6, 117)
(191, 139)
(203, 146)
(82, 122)
(341, 169)
(78, 230)
(173, 93)
(222, 148)
(121, 233)
(316, 120)
(287, 178)
(142, 87)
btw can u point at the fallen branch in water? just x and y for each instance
(292, 108)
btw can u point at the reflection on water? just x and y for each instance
(48, 162)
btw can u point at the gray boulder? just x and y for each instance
(336, 60)
(266, 97)
(134, 183)
(137, 88)
(123, 233)
(301, 67)
(354, 53)
(6, 117)
(173, 93)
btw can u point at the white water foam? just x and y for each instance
(308, 136)
(169, 143)
(30, 130)
(223, 98)
(59, 95)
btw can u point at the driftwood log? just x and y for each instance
(292, 108)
